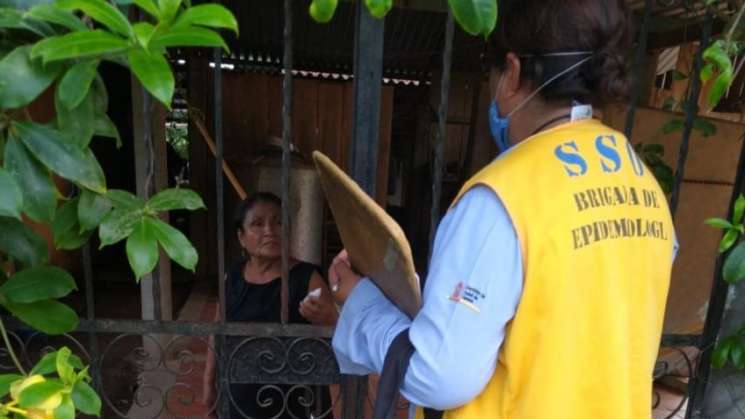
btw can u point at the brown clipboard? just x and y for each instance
(376, 245)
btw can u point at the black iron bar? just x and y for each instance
(286, 137)
(641, 52)
(368, 76)
(442, 115)
(147, 327)
(715, 312)
(690, 114)
(220, 343)
(90, 314)
(363, 156)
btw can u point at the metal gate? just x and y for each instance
(159, 357)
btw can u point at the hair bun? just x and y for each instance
(609, 74)
(545, 26)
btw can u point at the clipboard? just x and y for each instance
(376, 244)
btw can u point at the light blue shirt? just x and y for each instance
(476, 257)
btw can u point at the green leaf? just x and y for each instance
(86, 399)
(22, 80)
(148, 6)
(83, 375)
(664, 175)
(379, 8)
(739, 209)
(168, 9)
(66, 410)
(718, 223)
(66, 230)
(189, 36)
(79, 45)
(11, 18)
(734, 266)
(217, 16)
(11, 197)
(77, 125)
(65, 370)
(39, 192)
(76, 83)
(175, 198)
(705, 127)
(117, 224)
(679, 75)
(53, 14)
(721, 354)
(652, 159)
(737, 355)
(22, 243)
(654, 149)
(102, 12)
(92, 207)
(38, 283)
(707, 72)
(124, 200)
(48, 316)
(142, 249)
(718, 56)
(477, 17)
(38, 393)
(672, 126)
(176, 245)
(6, 380)
(104, 127)
(322, 11)
(48, 364)
(154, 73)
(729, 239)
(61, 156)
(100, 96)
(143, 33)
(668, 104)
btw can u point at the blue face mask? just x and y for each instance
(500, 127)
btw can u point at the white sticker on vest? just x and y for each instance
(468, 296)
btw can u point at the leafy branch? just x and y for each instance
(476, 17)
(59, 47)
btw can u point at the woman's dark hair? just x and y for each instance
(249, 203)
(533, 28)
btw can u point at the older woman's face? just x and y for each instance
(261, 235)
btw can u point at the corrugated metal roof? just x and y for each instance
(413, 38)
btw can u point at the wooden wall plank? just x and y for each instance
(330, 119)
(305, 116)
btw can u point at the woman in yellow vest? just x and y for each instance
(548, 281)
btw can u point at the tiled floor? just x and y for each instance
(669, 403)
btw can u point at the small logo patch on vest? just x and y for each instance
(468, 296)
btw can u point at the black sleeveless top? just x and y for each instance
(261, 303)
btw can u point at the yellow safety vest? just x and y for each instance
(597, 245)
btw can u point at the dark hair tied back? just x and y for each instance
(536, 30)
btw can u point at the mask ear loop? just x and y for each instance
(549, 81)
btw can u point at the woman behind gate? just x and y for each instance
(252, 294)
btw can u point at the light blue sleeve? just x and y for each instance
(471, 293)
